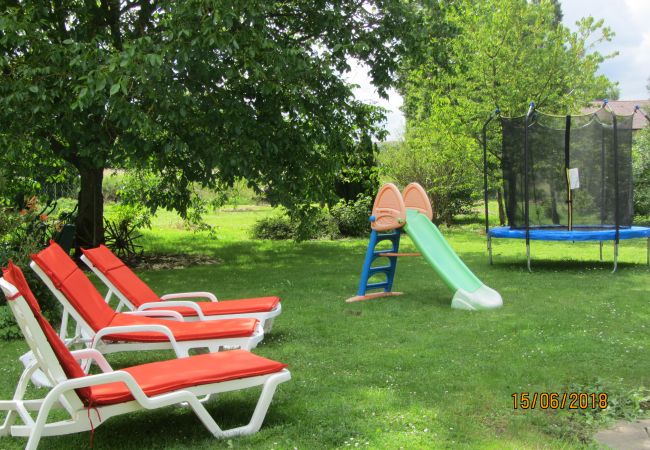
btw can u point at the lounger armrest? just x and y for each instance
(97, 380)
(186, 304)
(207, 295)
(156, 328)
(117, 376)
(94, 355)
(157, 313)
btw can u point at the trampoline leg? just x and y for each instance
(615, 256)
(601, 251)
(528, 257)
(489, 245)
(648, 252)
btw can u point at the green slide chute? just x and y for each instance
(469, 291)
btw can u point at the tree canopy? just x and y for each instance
(505, 54)
(198, 91)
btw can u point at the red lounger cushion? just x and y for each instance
(69, 364)
(182, 331)
(166, 376)
(85, 298)
(242, 306)
(139, 293)
(75, 285)
(121, 276)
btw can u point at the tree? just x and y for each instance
(641, 168)
(438, 161)
(506, 53)
(199, 91)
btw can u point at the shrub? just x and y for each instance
(121, 229)
(313, 224)
(351, 217)
(445, 164)
(275, 228)
(136, 215)
(22, 233)
(9, 329)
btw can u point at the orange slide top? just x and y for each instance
(389, 209)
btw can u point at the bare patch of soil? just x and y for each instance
(170, 261)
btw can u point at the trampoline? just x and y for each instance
(566, 178)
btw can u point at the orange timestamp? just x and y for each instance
(559, 400)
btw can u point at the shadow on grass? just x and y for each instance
(565, 265)
(180, 425)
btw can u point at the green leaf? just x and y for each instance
(114, 88)
(33, 89)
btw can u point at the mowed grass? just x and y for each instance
(404, 372)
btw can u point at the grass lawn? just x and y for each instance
(405, 372)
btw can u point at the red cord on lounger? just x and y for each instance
(92, 427)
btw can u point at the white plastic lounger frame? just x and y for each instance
(266, 318)
(63, 395)
(181, 348)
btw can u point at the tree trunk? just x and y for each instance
(90, 218)
(502, 211)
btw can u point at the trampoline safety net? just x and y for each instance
(579, 170)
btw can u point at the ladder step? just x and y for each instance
(376, 270)
(383, 284)
(378, 253)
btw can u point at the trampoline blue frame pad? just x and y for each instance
(550, 234)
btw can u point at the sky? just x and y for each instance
(630, 21)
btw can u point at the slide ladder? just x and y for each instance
(387, 270)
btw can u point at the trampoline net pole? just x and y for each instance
(485, 178)
(567, 166)
(601, 251)
(603, 197)
(617, 219)
(489, 245)
(526, 180)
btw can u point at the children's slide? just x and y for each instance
(469, 291)
(410, 212)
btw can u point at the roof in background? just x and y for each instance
(625, 108)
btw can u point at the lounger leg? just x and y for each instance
(21, 387)
(528, 257)
(489, 247)
(261, 408)
(41, 420)
(615, 256)
(268, 323)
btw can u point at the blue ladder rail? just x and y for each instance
(372, 254)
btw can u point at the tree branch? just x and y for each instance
(111, 10)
